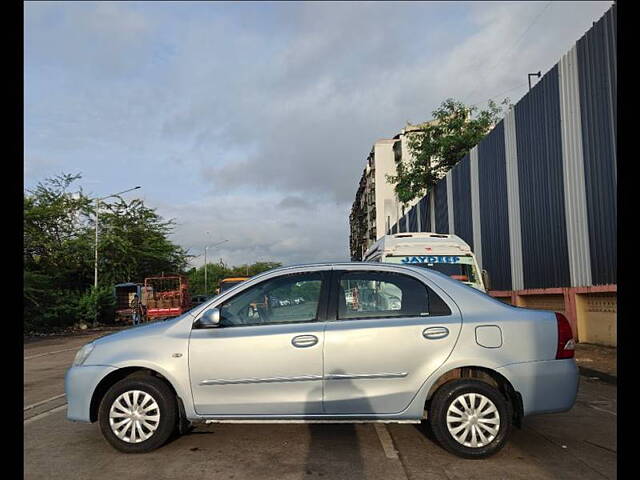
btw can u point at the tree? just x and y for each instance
(436, 146)
(216, 272)
(59, 236)
(55, 220)
(134, 243)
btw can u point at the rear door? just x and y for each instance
(390, 332)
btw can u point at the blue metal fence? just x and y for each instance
(554, 170)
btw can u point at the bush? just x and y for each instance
(100, 300)
(57, 310)
(54, 311)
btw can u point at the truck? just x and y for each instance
(227, 283)
(166, 296)
(446, 253)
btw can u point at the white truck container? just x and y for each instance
(448, 254)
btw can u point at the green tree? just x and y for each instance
(217, 271)
(55, 220)
(439, 144)
(59, 236)
(134, 243)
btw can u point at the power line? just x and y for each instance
(512, 49)
(498, 95)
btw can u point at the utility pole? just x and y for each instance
(95, 266)
(205, 262)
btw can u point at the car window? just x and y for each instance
(286, 299)
(386, 294)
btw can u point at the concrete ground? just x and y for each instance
(597, 358)
(580, 444)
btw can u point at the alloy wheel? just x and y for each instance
(134, 416)
(473, 420)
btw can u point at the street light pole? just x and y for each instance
(205, 262)
(95, 266)
(538, 74)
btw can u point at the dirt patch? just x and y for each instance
(597, 357)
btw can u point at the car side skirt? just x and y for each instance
(307, 420)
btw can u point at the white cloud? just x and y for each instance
(237, 117)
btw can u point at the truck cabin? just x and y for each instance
(124, 293)
(227, 283)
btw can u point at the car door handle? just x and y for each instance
(302, 341)
(434, 333)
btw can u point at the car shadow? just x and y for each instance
(334, 448)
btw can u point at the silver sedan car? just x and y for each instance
(371, 342)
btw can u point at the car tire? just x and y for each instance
(144, 403)
(485, 422)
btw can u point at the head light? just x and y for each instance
(83, 354)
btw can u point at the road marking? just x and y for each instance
(603, 410)
(44, 414)
(34, 405)
(51, 353)
(386, 441)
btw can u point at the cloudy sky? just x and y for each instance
(251, 122)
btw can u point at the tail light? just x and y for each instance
(566, 343)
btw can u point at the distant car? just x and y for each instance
(469, 364)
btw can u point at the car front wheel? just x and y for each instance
(138, 414)
(470, 418)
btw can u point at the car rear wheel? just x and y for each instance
(138, 414)
(470, 418)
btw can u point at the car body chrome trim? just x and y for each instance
(237, 381)
(359, 376)
(303, 378)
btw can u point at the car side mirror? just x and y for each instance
(210, 319)
(486, 280)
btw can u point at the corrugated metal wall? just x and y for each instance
(494, 219)
(413, 219)
(425, 214)
(441, 210)
(536, 198)
(542, 219)
(461, 183)
(402, 225)
(597, 75)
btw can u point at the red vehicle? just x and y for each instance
(166, 296)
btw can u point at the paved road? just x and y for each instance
(580, 444)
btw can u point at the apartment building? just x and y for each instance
(376, 206)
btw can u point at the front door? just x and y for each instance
(391, 332)
(266, 356)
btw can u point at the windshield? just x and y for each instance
(460, 268)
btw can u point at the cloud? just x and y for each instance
(296, 203)
(105, 38)
(253, 120)
(258, 229)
